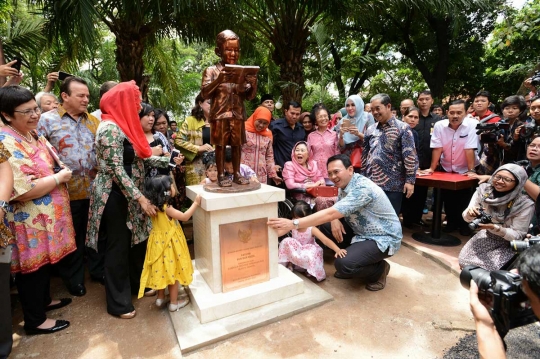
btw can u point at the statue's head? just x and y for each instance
(228, 47)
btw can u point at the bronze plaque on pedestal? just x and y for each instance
(244, 253)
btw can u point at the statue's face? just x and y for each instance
(230, 52)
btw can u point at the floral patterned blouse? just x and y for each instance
(110, 157)
(258, 154)
(42, 226)
(5, 234)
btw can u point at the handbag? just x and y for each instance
(322, 191)
(356, 157)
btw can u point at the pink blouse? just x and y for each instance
(258, 154)
(323, 145)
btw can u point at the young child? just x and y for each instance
(245, 171)
(211, 173)
(167, 261)
(301, 249)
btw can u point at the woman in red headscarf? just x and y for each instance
(257, 152)
(117, 206)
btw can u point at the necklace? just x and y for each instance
(24, 137)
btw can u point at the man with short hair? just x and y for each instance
(362, 221)
(286, 133)
(490, 153)
(454, 144)
(389, 155)
(405, 104)
(72, 130)
(105, 87)
(481, 104)
(427, 120)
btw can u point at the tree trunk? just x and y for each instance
(2, 62)
(291, 73)
(129, 58)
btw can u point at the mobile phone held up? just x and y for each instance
(175, 153)
(63, 75)
(17, 64)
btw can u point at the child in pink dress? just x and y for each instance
(302, 250)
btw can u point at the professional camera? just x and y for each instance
(535, 79)
(490, 132)
(520, 246)
(501, 290)
(482, 218)
(528, 129)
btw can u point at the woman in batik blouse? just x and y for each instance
(117, 204)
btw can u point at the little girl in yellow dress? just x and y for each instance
(167, 261)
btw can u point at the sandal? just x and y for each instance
(381, 282)
(150, 293)
(240, 180)
(129, 315)
(224, 181)
(178, 306)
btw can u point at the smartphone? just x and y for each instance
(63, 75)
(175, 153)
(17, 65)
(346, 123)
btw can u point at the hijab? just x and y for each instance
(311, 172)
(487, 191)
(359, 120)
(260, 113)
(120, 105)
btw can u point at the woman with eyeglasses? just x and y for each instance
(193, 140)
(509, 210)
(38, 213)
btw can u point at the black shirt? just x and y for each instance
(425, 130)
(284, 139)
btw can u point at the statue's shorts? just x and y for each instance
(227, 131)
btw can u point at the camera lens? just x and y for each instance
(481, 277)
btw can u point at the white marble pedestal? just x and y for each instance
(214, 315)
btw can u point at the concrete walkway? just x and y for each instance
(422, 312)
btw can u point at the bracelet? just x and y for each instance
(56, 180)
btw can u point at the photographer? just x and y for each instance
(491, 153)
(506, 215)
(514, 110)
(490, 344)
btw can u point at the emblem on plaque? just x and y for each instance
(244, 235)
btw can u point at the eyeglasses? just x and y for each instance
(504, 179)
(30, 112)
(534, 146)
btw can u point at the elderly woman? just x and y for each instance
(307, 122)
(323, 142)
(193, 140)
(117, 205)
(303, 173)
(257, 152)
(511, 211)
(351, 130)
(39, 216)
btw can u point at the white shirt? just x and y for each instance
(97, 114)
(454, 143)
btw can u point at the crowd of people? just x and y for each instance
(104, 188)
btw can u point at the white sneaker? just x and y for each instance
(181, 304)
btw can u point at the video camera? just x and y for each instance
(535, 79)
(490, 132)
(529, 129)
(520, 246)
(501, 290)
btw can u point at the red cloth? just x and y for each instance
(121, 105)
(491, 120)
(260, 113)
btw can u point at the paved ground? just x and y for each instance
(413, 317)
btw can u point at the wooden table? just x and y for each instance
(441, 180)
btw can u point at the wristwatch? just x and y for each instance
(296, 223)
(4, 206)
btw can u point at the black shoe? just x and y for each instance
(63, 303)
(60, 325)
(340, 275)
(465, 231)
(77, 290)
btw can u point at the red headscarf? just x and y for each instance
(261, 113)
(120, 105)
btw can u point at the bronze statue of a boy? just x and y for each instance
(227, 112)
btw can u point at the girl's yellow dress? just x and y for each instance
(167, 255)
